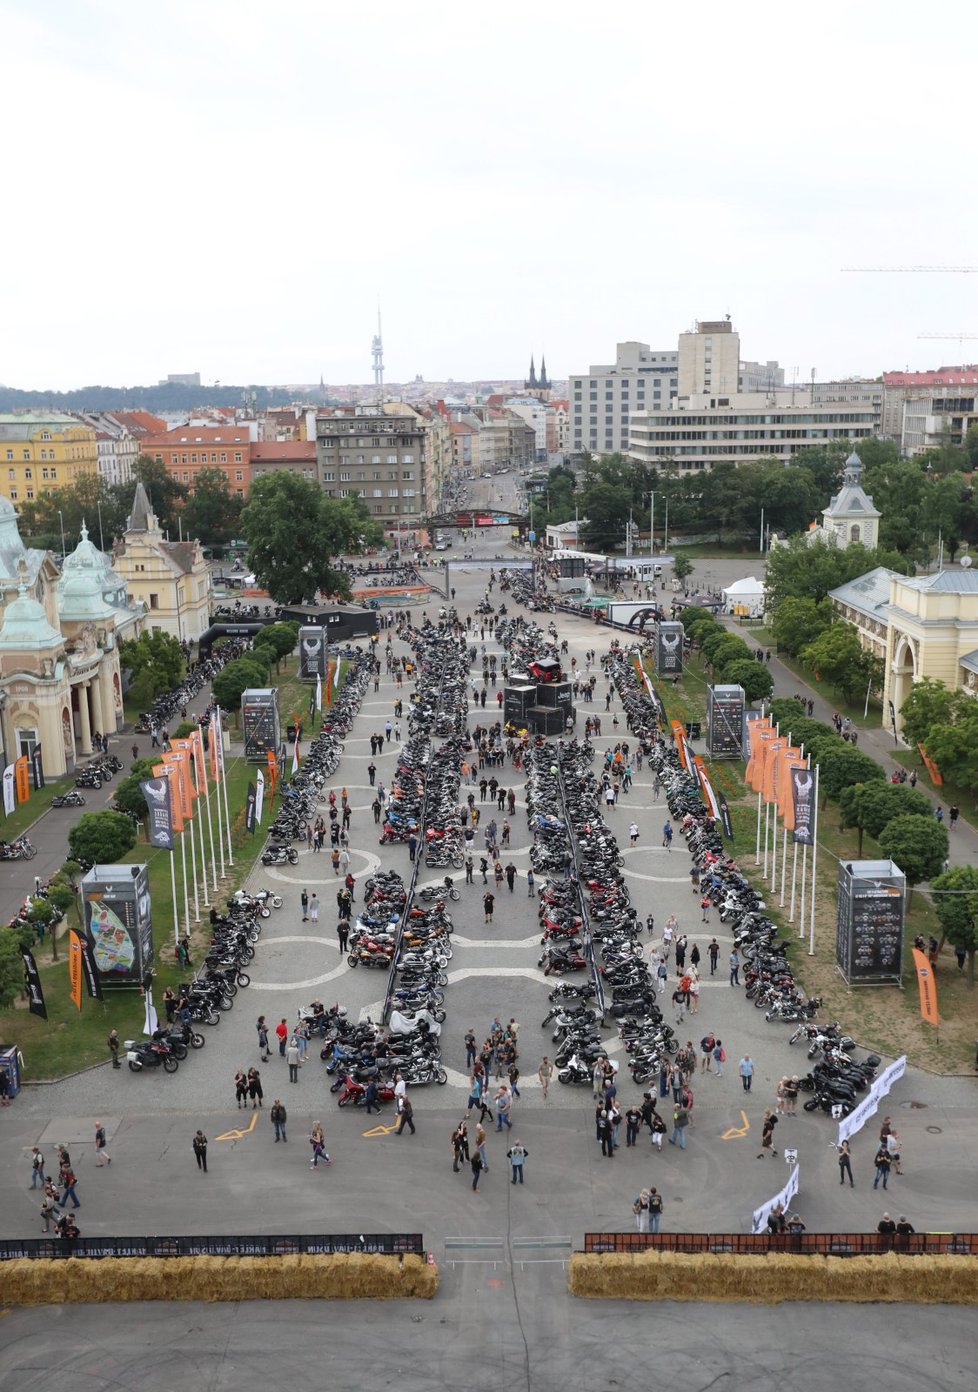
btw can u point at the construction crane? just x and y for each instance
(918, 270)
(958, 337)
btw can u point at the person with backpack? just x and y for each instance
(641, 1210)
(719, 1057)
(707, 1044)
(460, 1146)
(655, 1210)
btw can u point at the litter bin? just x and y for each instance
(10, 1064)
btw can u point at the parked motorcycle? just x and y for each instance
(154, 1053)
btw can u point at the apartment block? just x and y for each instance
(852, 391)
(709, 359)
(601, 400)
(700, 431)
(188, 449)
(41, 451)
(118, 448)
(378, 454)
(900, 387)
(937, 418)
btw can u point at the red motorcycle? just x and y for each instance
(357, 1092)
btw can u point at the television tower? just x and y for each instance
(377, 352)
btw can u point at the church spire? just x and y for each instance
(543, 372)
(533, 374)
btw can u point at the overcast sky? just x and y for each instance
(227, 186)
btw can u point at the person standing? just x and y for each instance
(102, 1156)
(278, 1117)
(719, 1057)
(845, 1164)
(470, 1048)
(263, 1039)
(113, 1043)
(292, 1059)
(480, 1146)
(504, 1103)
(530, 885)
(304, 901)
(460, 1146)
(407, 1116)
(633, 1121)
(882, 1163)
(255, 1091)
(714, 951)
(314, 908)
(517, 1154)
(767, 1135)
(343, 934)
(603, 1126)
(241, 1088)
(667, 836)
(746, 1068)
(488, 904)
(734, 960)
(477, 1167)
(49, 1205)
(372, 772)
(282, 1035)
(200, 1150)
(545, 1072)
(680, 1121)
(655, 1209)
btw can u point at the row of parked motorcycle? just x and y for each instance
(837, 1076)
(302, 800)
(214, 987)
(170, 704)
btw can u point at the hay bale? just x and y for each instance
(346, 1276)
(773, 1279)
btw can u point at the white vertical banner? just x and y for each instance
(259, 795)
(783, 1197)
(9, 794)
(869, 1106)
(319, 692)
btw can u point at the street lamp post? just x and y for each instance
(63, 551)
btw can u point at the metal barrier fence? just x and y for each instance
(304, 1244)
(804, 1244)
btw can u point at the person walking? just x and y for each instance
(706, 903)
(372, 772)
(278, 1117)
(845, 1164)
(511, 876)
(102, 1156)
(714, 951)
(516, 1155)
(317, 1139)
(641, 1210)
(667, 836)
(746, 1069)
(262, 1028)
(460, 1146)
(655, 1210)
(530, 885)
(476, 1165)
(488, 904)
(37, 1168)
(292, 1056)
(470, 1048)
(504, 1103)
(545, 1072)
(407, 1116)
(49, 1205)
(200, 1149)
(767, 1135)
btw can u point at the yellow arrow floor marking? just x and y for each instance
(736, 1131)
(237, 1134)
(380, 1130)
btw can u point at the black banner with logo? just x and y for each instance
(32, 982)
(803, 801)
(725, 821)
(93, 977)
(156, 791)
(37, 768)
(250, 808)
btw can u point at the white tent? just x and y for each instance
(745, 597)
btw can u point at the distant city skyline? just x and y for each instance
(234, 190)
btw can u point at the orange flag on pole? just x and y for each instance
(75, 967)
(927, 986)
(176, 802)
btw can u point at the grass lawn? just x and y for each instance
(884, 1018)
(23, 817)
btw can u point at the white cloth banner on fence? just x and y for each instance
(784, 1197)
(870, 1104)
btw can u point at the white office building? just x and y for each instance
(603, 399)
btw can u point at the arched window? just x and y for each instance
(854, 532)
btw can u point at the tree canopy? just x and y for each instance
(101, 837)
(294, 531)
(955, 895)
(838, 657)
(871, 806)
(212, 512)
(919, 845)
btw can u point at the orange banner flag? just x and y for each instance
(22, 780)
(769, 787)
(186, 748)
(756, 765)
(177, 761)
(176, 805)
(75, 967)
(197, 742)
(787, 805)
(927, 985)
(754, 731)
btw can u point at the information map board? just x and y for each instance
(724, 722)
(870, 921)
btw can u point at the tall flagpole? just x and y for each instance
(794, 877)
(173, 886)
(183, 857)
(220, 824)
(222, 774)
(210, 821)
(811, 931)
(757, 848)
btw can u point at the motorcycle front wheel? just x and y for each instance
(170, 1064)
(266, 913)
(135, 1067)
(244, 979)
(197, 1041)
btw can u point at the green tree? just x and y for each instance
(942, 513)
(930, 703)
(11, 968)
(236, 678)
(955, 895)
(281, 638)
(870, 806)
(954, 746)
(896, 486)
(971, 447)
(798, 622)
(838, 657)
(157, 658)
(101, 837)
(294, 530)
(786, 711)
(752, 675)
(810, 572)
(607, 507)
(918, 845)
(839, 765)
(682, 567)
(128, 794)
(731, 649)
(212, 512)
